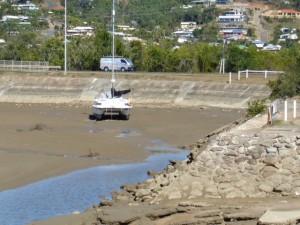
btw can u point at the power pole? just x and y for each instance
(65, 39)
(222, 62)
(113, 79)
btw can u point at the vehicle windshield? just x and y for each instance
(129, 61)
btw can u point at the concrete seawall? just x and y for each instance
(51, 89)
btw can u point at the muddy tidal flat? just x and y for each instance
(38, 141)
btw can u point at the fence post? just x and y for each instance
(239, 75)
(295, 109)
(274, 107)
(230, 74)
(247, 74)
(269, 115)
(285, 110)
(266, 74)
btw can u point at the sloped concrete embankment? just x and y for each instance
(247, 161)
(47, 89)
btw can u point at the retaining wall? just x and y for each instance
(49, 89)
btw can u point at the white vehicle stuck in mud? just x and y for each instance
(112, 103)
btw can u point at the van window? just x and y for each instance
(123, 61)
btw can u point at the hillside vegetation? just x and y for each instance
(150, 14)
(154, 20)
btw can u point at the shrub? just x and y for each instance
(256, 107)
(287, 85)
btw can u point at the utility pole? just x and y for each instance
(222, 62)
(113, 79)
(65, 39)
(223, 55)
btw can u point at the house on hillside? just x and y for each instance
(282, 13)
(27, 6)
(223, 2)
(232, 16)
(185, 32)
(188, 25)
(80, 31)
(186, 6)
(10, 18)
(132, 38)
(234, 34)
(288, 13)
(205, 3)
(288, 34)
(125, 28)
(183, 36)
(54, 5)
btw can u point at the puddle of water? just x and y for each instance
(75, 191)
(158, 145)
(128, 132)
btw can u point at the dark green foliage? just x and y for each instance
(237, 59)
(155, 58)
(288, 85)
(23, 47)
(53, 51)
(295, 4)
(136, 54)
(150, 14)
(208, 33)
(256, 107)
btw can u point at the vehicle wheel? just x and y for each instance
(125, 117)
(99, 117)
(106, 69)
(92, 117)
(123, 69)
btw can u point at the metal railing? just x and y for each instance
(284, 110)
(26, 66)
(264, 72)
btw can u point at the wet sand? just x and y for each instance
(40, 141)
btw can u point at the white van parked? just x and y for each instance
(121, 64)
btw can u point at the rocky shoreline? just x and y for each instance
(245, 173)
(246, 162)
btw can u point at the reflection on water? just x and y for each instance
(75, 191)
(159, 146)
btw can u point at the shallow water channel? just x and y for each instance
(75, 191)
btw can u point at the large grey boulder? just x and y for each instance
(282, 217)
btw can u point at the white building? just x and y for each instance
(234, 34)
(288, 34)
(80, 31)
(8, 18)
(232, 16)
(183, 36)
(182, 33)
(271, 47)
(27, 6)
(186, 6)
(258, 43)
(188, 25)
(132, 38)
(203, 2)
(125, 28)
(288, 37)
